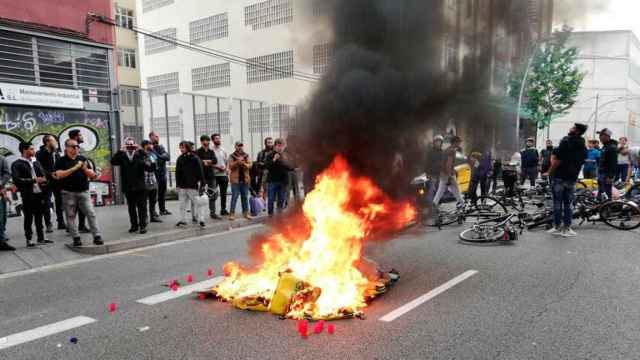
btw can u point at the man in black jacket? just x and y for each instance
(5, 176)
(529, 165)
(209, 160)
(259, 170)
(608, 166)
(278, 166)
(190, 183)
(161, 171)
(47, 157)
(131, 160)
(31, 181)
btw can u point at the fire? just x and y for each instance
(322, 250)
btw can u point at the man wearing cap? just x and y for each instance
(529, 162)
(566, 161)
(608, 166)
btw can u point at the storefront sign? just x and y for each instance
(16, 94)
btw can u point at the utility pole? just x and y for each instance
(595, 121)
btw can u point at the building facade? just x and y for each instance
(610, 93)
(57, 74)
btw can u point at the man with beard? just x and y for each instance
(220, 172)
(529, 163)
(545, 159)
(208, 158)
(30, 178)
(239, 165)
(258, 180)
(76, 135)
(47, 157)
(162, 158)
(566, 162)
(608, 167)
(278, 166)
(190, 183)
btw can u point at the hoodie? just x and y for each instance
(609, 159)
(571, 153)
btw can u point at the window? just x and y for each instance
(259, 120)
(270, 67)
(154, 45)
(133, 131)
(322, 55)
(124, 17)
(127, 57)
(281, 117)
(129, 97)
(211, 77)
(208, 123)
(321, 7)
(159, 125)
(211, 28)
(164, 83)
(148, 5)
(16, 58)
(268, 13)
(92, 69)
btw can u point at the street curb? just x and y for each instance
(163, 237)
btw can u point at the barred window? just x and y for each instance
(281, 117)
(124, 17)
(164, 83)
(259, 120)
(153, 45)
(159, 125)
(270, 67)
(127, 57)
(322, 56)
(129, 97)
(268, 13)
(211, 28)
(16, 58)
(211, 77)
(133, 131)
(148, 5)
(208, 123)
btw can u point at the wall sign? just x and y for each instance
(17, 94)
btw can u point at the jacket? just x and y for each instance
(189, 172)
(529, 158)
(163, 158)
(278, 169)
(546, 159)
(23, 177)
(609, 159)
(433, 165)
(239, 164)
(132, 171)
(207, 155)
(5, 172)
(46, 159)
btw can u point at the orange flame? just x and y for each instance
(323, 248)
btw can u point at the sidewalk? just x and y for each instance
(114, 224)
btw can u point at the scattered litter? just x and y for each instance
(174, 287)
(303, 327)
(73, 340)
(202, 296)
(144, 328)
(319, 327)
(189, 278)
(209, 272)
(112, 308)
(331, 329)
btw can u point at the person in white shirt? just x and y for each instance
(220, 171)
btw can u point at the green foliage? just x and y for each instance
(553, 81)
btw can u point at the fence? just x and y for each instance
(185, 116)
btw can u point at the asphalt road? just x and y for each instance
(542, 298)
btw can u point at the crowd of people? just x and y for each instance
(47, 179)
(604, 160)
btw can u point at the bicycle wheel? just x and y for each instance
(486, 207)
(481, 236)
(621, 215)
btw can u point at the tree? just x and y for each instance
(553, 81)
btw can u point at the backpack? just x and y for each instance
(256, 204)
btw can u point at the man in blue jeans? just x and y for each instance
(566, 161)
(278, 166)
(608, 166)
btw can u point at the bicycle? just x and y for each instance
(482, 207)
(501, 230)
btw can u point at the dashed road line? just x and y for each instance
(182, 291)
(44, 331)
(428, 296)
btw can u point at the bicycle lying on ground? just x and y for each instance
(500, 230)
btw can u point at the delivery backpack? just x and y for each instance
(256, 203)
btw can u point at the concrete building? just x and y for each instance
(610, 93)
(57, 74)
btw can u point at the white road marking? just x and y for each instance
(428, 296)
(182, 291)
(44, 331)
(126, 252)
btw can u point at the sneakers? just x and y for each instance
(202, 225)
(143, 230)
(554, 231)
(181, 224)
(49, 229)
(156, 220)
(6, 247)
(568, 232)
(215, 216)
(97, 240)
(165, 212)
(133, 229)
(45, 241)
(194, 220)
(224, 213)
(77, 242)
(30, 244)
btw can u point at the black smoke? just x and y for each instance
(386, 88)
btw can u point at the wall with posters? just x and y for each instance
(19, 123)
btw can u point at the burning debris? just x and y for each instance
(313, 267)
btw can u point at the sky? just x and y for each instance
(600, 14)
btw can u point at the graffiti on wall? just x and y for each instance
(32, 124)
